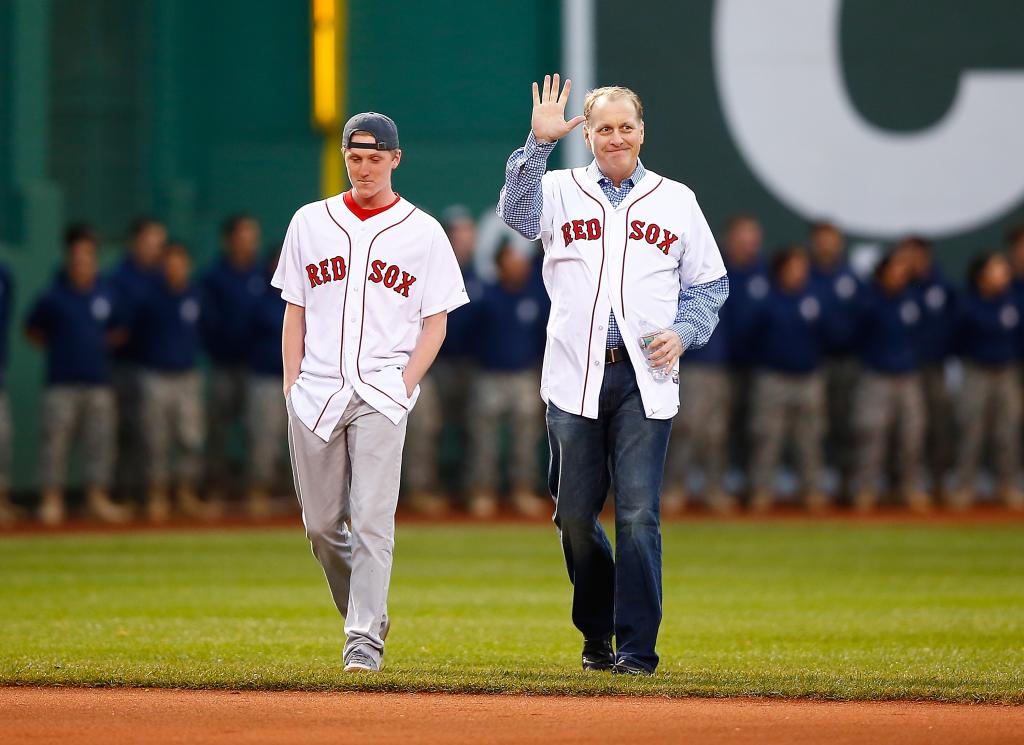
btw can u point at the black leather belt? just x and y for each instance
(615, 354)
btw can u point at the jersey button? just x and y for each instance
(596, 363)
(600, 328)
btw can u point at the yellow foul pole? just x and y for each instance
(329, 55)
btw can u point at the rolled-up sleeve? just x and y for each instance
(697, 314)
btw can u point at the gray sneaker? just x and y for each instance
(360, 662)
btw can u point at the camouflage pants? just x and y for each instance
(886, 405)
(172, 417)
(5, 443)
(225, 409)
(87, 413)
(782, 403)
(989, 403)
(494, 395)
(267, 425)
(422, 436)
(700, 435)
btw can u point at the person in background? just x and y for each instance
(134, 279)
(788, 332)
(230, 291)
(937, 299)
(749, 284)
(76, 320)
(989, 404)
(266, 415)
(8, 513)
(509, 321)
(1015, 255)
(840, 291)
(167, 322)
(888, 396)
(700, 431)
(445, 389)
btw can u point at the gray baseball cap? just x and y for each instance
(382, 127)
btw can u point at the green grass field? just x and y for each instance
(826, 610)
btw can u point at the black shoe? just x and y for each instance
(629, 668)
(598, 654)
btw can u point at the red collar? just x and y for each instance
(361, 212)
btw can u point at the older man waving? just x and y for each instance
(635, 280)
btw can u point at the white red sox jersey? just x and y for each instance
(632, 260)
(366, 286)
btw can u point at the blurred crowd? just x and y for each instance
(822, 384)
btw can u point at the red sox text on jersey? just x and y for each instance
(590, 230)
(334, 269)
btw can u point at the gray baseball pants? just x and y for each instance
(352, 478)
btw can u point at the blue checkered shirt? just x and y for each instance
(520, 206)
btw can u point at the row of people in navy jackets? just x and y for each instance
(811, 355)
(123, 351)
(125, 382)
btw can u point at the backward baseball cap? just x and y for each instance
(383, 129)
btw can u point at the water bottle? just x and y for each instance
(648, 333)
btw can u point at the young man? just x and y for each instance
(8, 513)
(936, 296)
(625, 250)
(840, 293)
(987, 336)
(788, 331)
(749, 282)
(77, 320)
(509, 321)
(369, 280)
(231, 291)
(266, 418)
(168, 326)
(134, 280)
(444, 393)
(889, 400)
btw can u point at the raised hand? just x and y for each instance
(548, 120)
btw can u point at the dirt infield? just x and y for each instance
(87, 716)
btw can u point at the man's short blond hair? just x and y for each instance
(611, 91)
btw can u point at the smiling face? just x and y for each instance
(614, 132)
(369, 171)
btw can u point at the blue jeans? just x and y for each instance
(624, 450)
